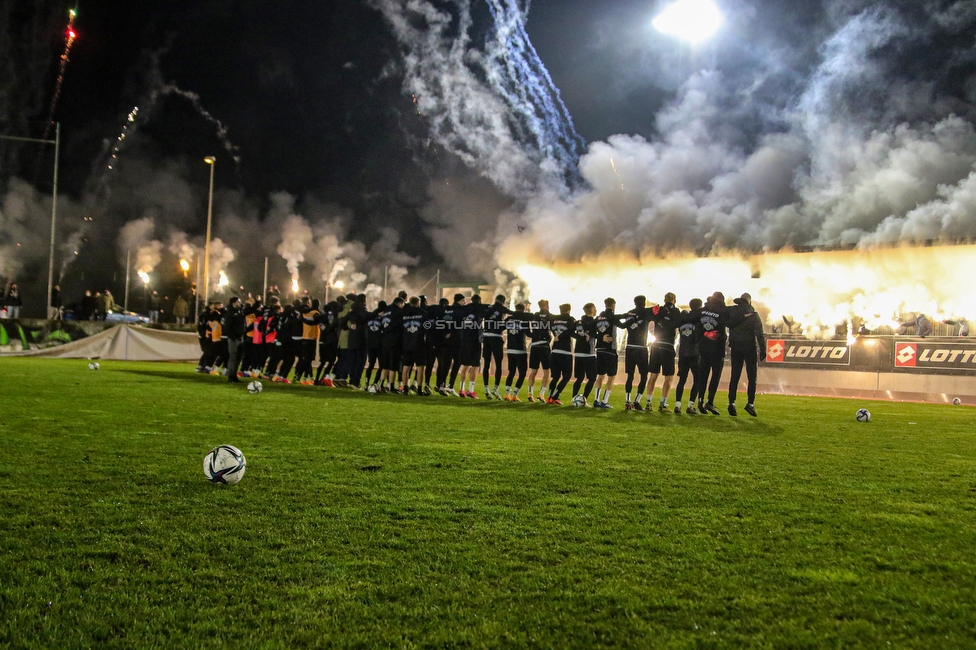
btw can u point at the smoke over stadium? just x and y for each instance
(840, 125)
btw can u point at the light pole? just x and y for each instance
(210, 160)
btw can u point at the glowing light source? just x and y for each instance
(339, 284)
(210, 160)
(143, 276)
(184, 265)
(294, 285)
(222, 281)
(690, 20)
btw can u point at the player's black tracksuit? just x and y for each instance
(748, 344)
(586, 339)
(563, 328)
(689, 334)
(714, 318)
(493, 345)
(636, 356)
(517, 327)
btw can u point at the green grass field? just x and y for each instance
(388, 521)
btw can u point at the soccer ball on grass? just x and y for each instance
(579, 401)
(863, 415)
(956, 401)
(255, 387)
(224, 465)
(93, 365)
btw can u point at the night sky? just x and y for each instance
(313, 95)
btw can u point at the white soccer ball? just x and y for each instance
(372, 390)
(255, 387)
(579, 401)
(863, 415)
(956, 401)
(224, 465)
(93, 365)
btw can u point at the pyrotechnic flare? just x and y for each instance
(223, 281)
(143, 276)
(69, 39)
(294, 285)
(184, 265)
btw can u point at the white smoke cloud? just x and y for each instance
(136, 244)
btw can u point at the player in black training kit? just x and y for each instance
(540, 353)
(666, 319)
(715, 317)
(516, 327)
(493, 345)
(447, 362)
(412, 317)
(606, 353)
(689, 334)
(747, 343)
(636, 357)
(435, 342)
(563, 328)
(585, 356)
(469, 350)
(374, 343)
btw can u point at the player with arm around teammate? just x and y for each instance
(747, 343)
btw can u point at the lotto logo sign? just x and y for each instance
(775, 351)
(809, 353)
(935, 355)
(906, 355)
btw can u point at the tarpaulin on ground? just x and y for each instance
(126, 343)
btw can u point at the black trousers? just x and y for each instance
(686, 365)
(749, 358)
(433, 354)
(517, 363)
(306, 354)
(492, 351)
(585, 369)
(712, 361)
(562, 371)
(235, 349)
(447, 362)
(355, 359)
(636, 360)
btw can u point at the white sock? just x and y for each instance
(470, 386)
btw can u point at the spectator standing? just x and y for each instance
(181, 310)
(154, 307)
(55, 311)
(12, 301)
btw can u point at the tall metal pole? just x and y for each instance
(54, 215)
(210, 160)
(264, 291)
(128, 269)
(386, 274)
(197, 292)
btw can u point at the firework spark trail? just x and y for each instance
(69, 39)
(618, 174)
(521, 78)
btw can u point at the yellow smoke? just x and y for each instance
(819, 290)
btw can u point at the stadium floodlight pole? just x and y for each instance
(210, 160)
(54, 201)
(128, 270)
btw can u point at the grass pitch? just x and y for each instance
(368, 521)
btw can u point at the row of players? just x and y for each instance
(404, 341)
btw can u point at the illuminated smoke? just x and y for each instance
(136, 243)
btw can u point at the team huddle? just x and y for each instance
(405, 346)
